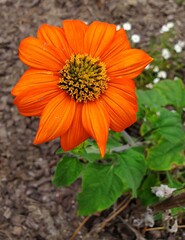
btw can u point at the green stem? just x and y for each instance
(128, 138)
(126, 146)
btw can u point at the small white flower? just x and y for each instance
(176, 78)
(135, 38)
(149, 85)
(156, 69)
(147, 67)
(177, 48)
(127, 26)
(156, 80)
(118, 27)
(170, 25)
(181, 43)
(166, 53)
(162, 74)
(164, 28)
(163, 191)
(158, 114)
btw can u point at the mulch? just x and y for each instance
(30, 207)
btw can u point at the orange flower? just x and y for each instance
(79, 82)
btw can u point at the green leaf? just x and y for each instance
(101, 187)
(173, 91)
(149, 99)
(132, 168)
(166, 155)
(59, 151)
(166, 92)
(67, 171)
(145, 194)
(165, 124)
(174, 183)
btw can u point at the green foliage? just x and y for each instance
(164, 124)
(166, 155)
(132, 168)
(161, 127)
(166, 92)
(145, 195)
(174, 93)
(131, 164)
(67, 171)
(101, 186)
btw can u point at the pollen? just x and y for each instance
(84, 78)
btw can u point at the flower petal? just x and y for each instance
(54, 36)
(76, 133)
(75, 32)
(129, 63)
(40, 55)
(34, 77)
(124, 86)
(119, 43)
(32, 100)
(121, 103)
(96, 121)
(56, 118)
(98, 37)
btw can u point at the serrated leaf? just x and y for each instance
(151, 98)
(132, 168)
(166, 92)
(67, 171)
(163, 124)
(101, 187)
(173, 91)
(166, 155)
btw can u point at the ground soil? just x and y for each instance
(30, 207)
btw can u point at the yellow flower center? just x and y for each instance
(84, 78)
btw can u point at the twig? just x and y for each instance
(79, 227)
(103, 224)
(154, 229)
(138, 234)
(97, 228)
(120, 204)
(160, 228)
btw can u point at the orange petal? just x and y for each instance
(98, 37)
(40, 55)
(119, 43)
(76, 133)
(34, 77)
(32, 100)
(129, 63)
(54, 36)
(56, 118)
(125, 87)
(121, 104)
(96, 121)
(75, 32)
